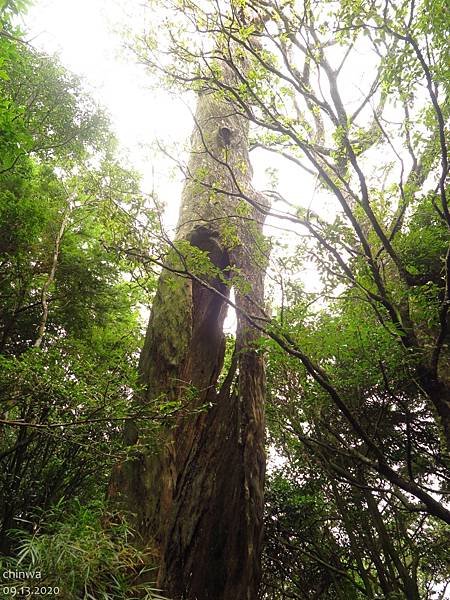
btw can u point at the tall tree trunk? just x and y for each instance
(199, 501)
(51, 276)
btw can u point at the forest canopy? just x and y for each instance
(350, 102)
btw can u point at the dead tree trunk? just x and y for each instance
(200, 499)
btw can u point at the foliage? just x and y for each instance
(354, 95)
(74, 226)
(76, 554)
(75, 408)
(45, 112)
(358, 389)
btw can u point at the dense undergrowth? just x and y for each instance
(73, 555)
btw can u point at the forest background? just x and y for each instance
(358, 394)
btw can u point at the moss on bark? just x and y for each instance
(200, 498)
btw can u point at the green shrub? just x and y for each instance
(76, 553)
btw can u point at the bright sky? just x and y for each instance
(88, 36)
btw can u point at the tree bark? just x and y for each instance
(51, 276)
(199, 500)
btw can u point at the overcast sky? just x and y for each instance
(88, 35)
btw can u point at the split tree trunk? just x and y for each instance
(199, 501)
